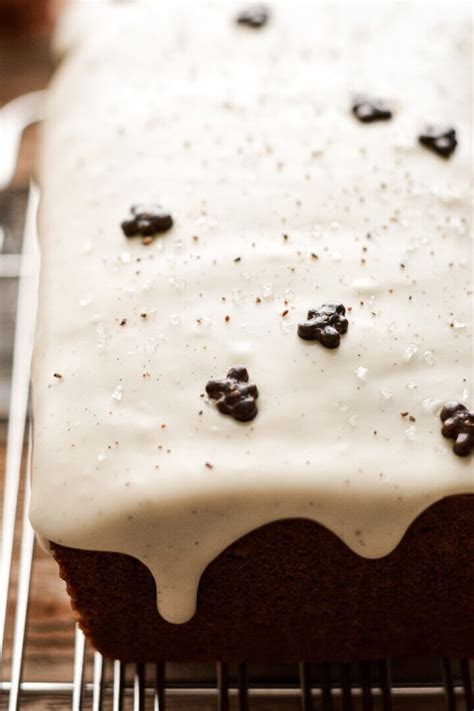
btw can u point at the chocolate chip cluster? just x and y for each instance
(254, 16)
(325, 325)
(370, 110)
(234, 394)
(146, 221)
(441, 141)
(458, 424)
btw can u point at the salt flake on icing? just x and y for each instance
(457, 225)
(410, 433)
(179, 284)
(386, 394)
(458, 325)
(432, 405)
(117, 393)
(287, 326)
(429, 358)
(102, 337)
(361, 372)
(410, 352)
(364, 285)
(353, 419)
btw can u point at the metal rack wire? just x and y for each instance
(97, 683)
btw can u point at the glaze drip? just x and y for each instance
(281, 201)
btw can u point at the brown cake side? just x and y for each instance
(291, 591)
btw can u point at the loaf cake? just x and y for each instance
(253, 370)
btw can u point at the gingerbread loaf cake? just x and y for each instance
(253, 362)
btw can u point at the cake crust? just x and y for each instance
(291, 591)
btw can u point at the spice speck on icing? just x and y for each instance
(234, 394)
(458, 424)
(325, 325)
(255, 16)
(369, 110)
(147, 221)
(441, 141)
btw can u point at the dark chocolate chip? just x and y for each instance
(325, 324)
(440, 140)
(146, 221)
(254, 16)
(370, 110)
(234, 394)
(458, 424)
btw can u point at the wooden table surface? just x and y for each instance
(25, 65)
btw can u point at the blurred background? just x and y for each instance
(25, 65)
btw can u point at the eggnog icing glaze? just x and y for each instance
(246, 136)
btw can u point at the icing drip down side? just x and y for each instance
(277, 206)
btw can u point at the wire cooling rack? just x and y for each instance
(98, 684)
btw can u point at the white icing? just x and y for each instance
(246, 136)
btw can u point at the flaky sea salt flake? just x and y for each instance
(286, 326)
(410, 352)
(353, 420)
(429, 358)
(267, 290)
(361, 372)
(432, 405)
